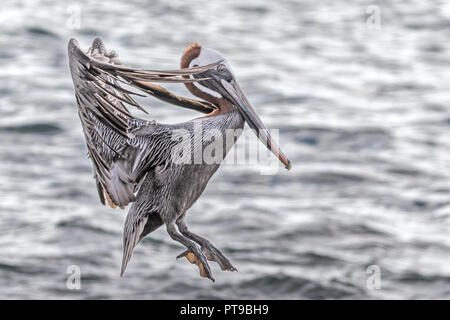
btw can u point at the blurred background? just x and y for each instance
(359, 91)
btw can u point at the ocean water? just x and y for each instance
(361, 102)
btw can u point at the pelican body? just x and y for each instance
(138, 161)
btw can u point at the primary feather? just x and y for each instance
(121, 146)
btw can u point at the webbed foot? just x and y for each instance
(195, 256)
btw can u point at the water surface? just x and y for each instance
(363, 115)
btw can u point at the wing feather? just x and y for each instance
(121, 146)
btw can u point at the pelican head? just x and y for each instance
(221, 84)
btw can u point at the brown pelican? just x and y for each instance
(133, 159)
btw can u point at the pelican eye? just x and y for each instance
(221, 68)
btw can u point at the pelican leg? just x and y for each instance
(211, 252)
(193, 253)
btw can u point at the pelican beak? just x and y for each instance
(235, 94)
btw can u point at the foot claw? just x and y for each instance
(183, 254)
(213, 254)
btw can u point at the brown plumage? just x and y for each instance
(133, 158)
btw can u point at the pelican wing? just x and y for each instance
(100, 63)
(121, 146)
